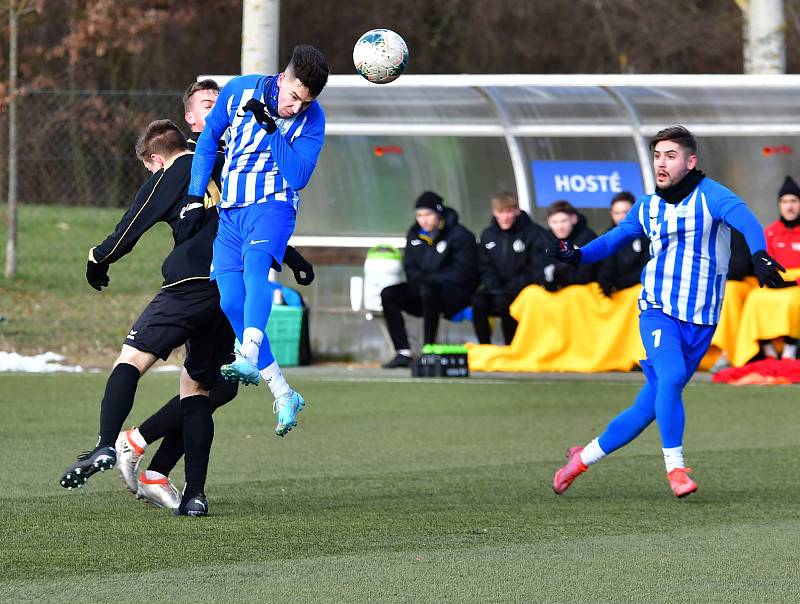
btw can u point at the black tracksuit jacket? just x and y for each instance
(624, 268)
(510, 260)
(450, 259)
(161, 199)
(568, 274)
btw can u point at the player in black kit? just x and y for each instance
(186, 310)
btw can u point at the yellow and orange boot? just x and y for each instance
(573, 468)
(680, 483)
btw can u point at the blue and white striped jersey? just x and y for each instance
(258, 167)
(689, 249)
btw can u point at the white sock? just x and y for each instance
(789, 351)
(251, 343)
(592, 453)
(769, 350)
(274, 378)
(136, 437)
(153, 475)
(405, 352)
(673, 458)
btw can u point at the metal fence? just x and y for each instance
(77, 148)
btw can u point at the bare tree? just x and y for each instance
(260, 35)
(16, 8)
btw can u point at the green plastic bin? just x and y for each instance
(283, 331)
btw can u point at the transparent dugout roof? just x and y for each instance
(490, 104)
(752, 105)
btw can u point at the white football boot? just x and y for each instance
(129, 456)
(158, 491)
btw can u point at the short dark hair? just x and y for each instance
(309, 66)
(557, 207)
(679, 134)
(207, 84)
(623, 196)
(161, 137)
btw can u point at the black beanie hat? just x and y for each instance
(789, 187)
(430, 201)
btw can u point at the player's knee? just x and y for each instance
(232, 306)
(191, 387)
(133, 356)
(223, 392)
(429, 293)
(389, 295)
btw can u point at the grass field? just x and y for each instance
(410, 491)
(49, 305)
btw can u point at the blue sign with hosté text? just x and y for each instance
(585, 184)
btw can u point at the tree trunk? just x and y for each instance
(764, 28)
(11, 242)
(260, 34)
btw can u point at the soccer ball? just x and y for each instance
(381, 56)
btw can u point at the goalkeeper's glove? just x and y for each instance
(97, 274)
(564, 250)
(766, 269)
(259, 111)
(303, 270)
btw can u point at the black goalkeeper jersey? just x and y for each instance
(161, 199)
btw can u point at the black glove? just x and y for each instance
(259, 111)
(766, 269)
(97, 275)
(303, 270)
(191, 218)
(564, 250)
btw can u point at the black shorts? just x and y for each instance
(191, 315)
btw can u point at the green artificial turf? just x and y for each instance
(409, 491)
(49, 305)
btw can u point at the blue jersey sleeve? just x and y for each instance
(297, 159)
(205, 154)
(626, 231)
(726, 206)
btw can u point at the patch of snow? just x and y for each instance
(47, 362)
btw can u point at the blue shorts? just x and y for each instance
(661, 333)
(266, 227)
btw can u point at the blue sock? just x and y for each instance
(232, 295)
(258, 300)
(629, 424)
(670, 369)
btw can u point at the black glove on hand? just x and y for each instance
(565, 251)
(259, 111)
(97, 275)
(766, 269)
(191, 218)
(303, 270)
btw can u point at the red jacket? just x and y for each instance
(783, 244)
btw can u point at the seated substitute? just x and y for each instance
(441, 264)
(624, 268)
(565, 222)
(783, 244)
(509, 259)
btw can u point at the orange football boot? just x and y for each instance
(573, 468)
(680, 483)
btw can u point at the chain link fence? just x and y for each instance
(77, 147)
